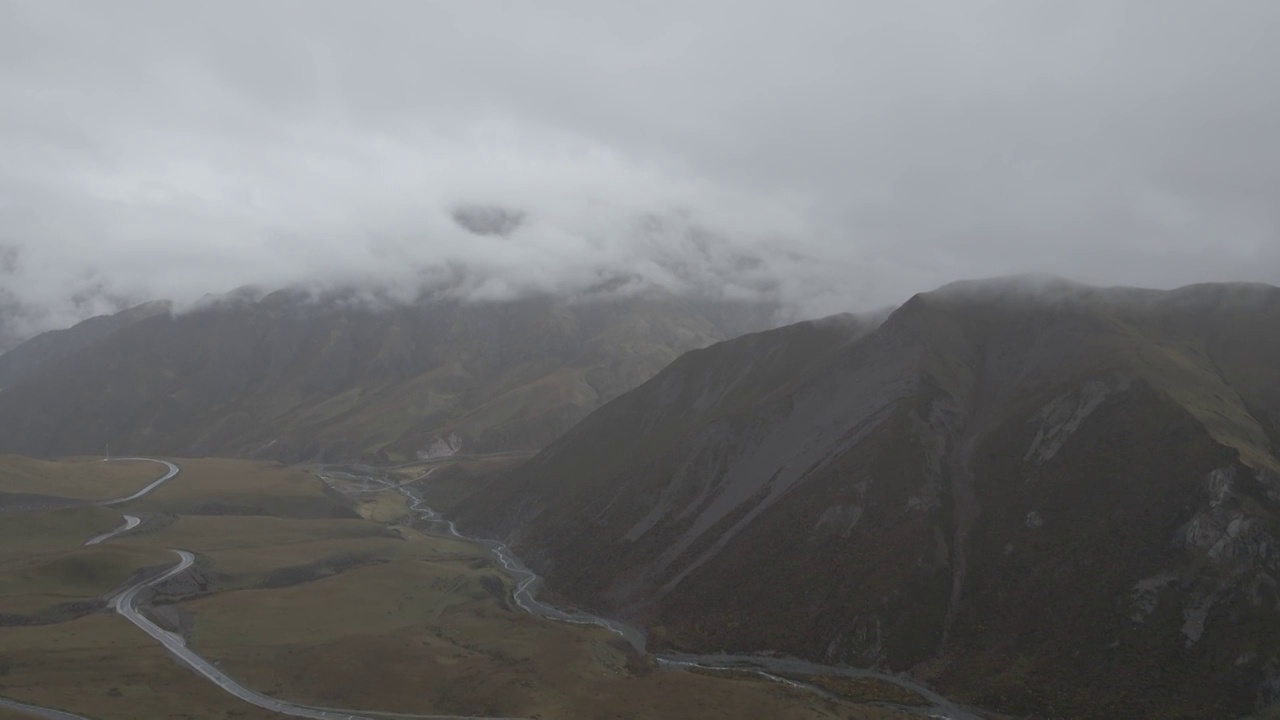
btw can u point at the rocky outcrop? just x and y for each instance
(442, 446)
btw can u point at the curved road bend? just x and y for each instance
(124, 603)
(130, 522)
(170, 474)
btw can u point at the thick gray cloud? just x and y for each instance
(835, 155)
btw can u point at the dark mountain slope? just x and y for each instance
(1034, 495)
(292, 377)
(30, 357)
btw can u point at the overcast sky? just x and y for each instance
(836, 155)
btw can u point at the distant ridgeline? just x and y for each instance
(295, 377)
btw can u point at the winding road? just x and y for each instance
(130, 522)
(172, 472)
(125, 603)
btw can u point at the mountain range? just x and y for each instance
(28, 358)
(1040, 497)
(293, 376)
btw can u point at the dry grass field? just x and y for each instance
(80, 478)
(241, 487)
(100, 666)
(43, 567)
(298, 597)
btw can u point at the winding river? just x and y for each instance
(772, 667)
(367, 479)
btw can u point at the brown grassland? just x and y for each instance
(299, 597)
(79, 478)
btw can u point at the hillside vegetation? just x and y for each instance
(293, 376)
(1039, 496)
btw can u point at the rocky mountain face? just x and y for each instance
(1039, 497)
(295, 377)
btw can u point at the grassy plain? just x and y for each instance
(298, 597)
(219, 487)
(101, 666)
(80, 478)
(44, 568)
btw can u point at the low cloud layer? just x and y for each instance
(831, 155)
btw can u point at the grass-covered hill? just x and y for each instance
(1042, 497)
(291, 376)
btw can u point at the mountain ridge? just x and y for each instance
(28, 357)
(909, 495)
(287, 375)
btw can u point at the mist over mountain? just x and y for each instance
(673, 306)
(346, 375)
(835, 158)
(30, 357)
(1029, 492)
(488, 220)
